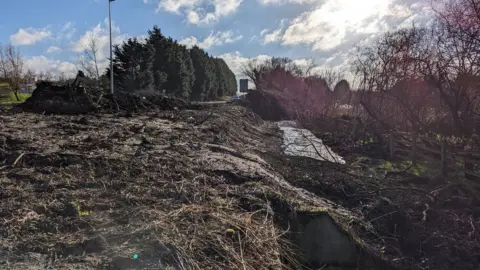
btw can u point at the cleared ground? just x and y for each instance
(204, 189)
(182, 189)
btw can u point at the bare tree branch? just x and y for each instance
(88, 60)
(11, 67)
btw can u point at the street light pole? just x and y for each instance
(111, 52)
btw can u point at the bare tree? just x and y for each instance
(44, 76)
(255, 70)
(11, 67)
(452, 62)
(30, 76)
(307, 70)
(445, 56)
(331, 76)
(388, 76)
(62, 78)
(4, 64)
(460, 17)
(88, 60)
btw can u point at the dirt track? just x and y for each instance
(89, 192)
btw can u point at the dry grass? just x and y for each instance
(203, 189)
(91, 192)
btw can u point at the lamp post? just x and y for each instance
(111, 52)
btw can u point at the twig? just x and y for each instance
(241, 251)
(18, 159)
(470, 234)
(370, 221)
(397, 173)
(424, 213)
(204, 120)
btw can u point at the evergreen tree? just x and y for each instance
(212, 83)
(174, 63)
(226, 80)
(160, 45)
(161, 63)
(184, 71)
(133, 66)
(201, 86)
(232, 85)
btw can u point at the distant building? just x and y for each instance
(243, 85)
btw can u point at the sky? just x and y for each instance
(52, 34)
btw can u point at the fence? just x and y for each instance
(428, 151)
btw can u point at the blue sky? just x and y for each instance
(51, 34)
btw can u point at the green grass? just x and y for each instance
(365, 141)
(9, 99)
(80, 211)
(399, 166)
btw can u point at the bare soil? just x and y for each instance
(185, 189)
(203, 189)
(91, 191)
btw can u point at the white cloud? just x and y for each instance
(66, 32)
(254, 37)
(101, 35)
(283, 2)
(193, 17)
(53, 49)
(268, 36)
(189, 42)
(142, 38)
(29, 36)
(194, 10)
(335, 21)
(212, 40)
(272, 37)
(303, 62)
(236, 63)
(44, 64)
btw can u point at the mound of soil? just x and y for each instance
(50, 98)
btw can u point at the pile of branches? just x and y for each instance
(50, 98)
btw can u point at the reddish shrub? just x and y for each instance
(301, 98)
